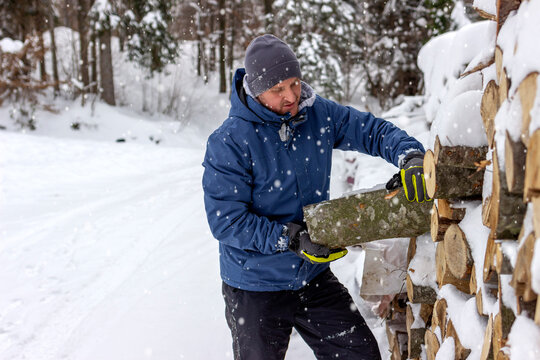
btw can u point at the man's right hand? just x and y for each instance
(300, 243)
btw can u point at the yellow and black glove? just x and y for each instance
(412, 177)
(300, 243)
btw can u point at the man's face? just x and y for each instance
(283, 97)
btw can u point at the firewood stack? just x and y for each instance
(485, 255)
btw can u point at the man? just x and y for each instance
(271, 157)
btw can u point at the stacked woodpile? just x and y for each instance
(503, 180)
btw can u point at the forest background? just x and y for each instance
(347, 48)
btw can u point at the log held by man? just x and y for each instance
(365, 216)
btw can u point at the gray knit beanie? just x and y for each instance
(268, 61)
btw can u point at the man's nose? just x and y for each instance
(289, 95)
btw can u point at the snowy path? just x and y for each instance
(105, 253)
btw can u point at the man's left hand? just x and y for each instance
(412, 177)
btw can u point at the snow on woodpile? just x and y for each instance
(483, 102)
(444, 58)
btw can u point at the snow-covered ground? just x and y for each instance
(105, 249)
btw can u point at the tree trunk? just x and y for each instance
(82, 12)
(222, 22)
(93, 62)
(54, 60)
(232, 28)
(42, 67)
(106, 67)
(268, 13)
(454, 171)
(212, 25)
(361, 217)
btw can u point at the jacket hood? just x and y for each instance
(245, 106)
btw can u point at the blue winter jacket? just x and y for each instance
(256, 180)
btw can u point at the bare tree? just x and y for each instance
(54, 60)
(222, 23)
(82, 24)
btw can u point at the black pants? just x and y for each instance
(322, 312)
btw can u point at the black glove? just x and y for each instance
(412, 177)
(300, 243)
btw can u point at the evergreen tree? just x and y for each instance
(324, 34)
(149, 42)
(394, 32)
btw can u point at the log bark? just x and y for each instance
(366, 216)
(411, 250)
(506, 210)
(527, 94)
(489, 267)
(442, 216)
(504, 7)
(514, 165)
(479, 301)
(502, 323)
(502, 355)
(472, 282)
(415, 336)
(503, 265)
(453, 171)
(487, 349)
(532, 168)
(484, 14)
(526, 308)
(458, 156)
(461, 352)
(444, 276)
(457, 252)
(396, 332)
(446, 210)
(439, 316)
(478, 67)
(488, 109)
(420, 294)
(522, 276)
(536, 214)
(432, 344)
(537, 312)
(501, 75)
